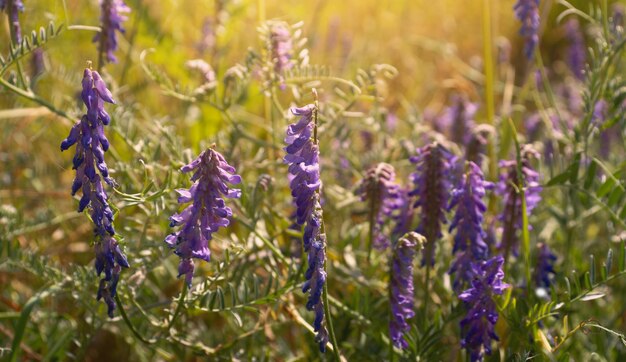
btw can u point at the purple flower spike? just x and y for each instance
(576, 58)
(432, 188)
(207, 212)
(379, 188)
(469, 240)
(544, 269)
(13, 8)
(113, 14)
(282, 47)
(91, 169)
(401, 287)
(507, 188)
(478, 326)
(303, 160)
(527, 11)
(458, 119)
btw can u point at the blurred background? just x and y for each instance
(435, 45)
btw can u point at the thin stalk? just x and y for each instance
(129, 324)
(489, 85)
(329, 319)
(33, 97)
(179, 307)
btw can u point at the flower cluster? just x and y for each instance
(432, 189)
(91, 169)
(477, 328)
(303, 160)
(576, 58)
(544, 269)
(281, 47)
(527, 11)
(113, 14)
(379, 187)
(12, 8)
(477, 144)
(509, 189)
(401, 287)
(458, 120)
(470, 238)
(207, 211)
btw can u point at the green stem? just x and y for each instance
(329, 319)
(129, 324)
(33, 97)
(179, 307)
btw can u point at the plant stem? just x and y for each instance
(129, 324)
(329, 319)
(489, 83)
(179, 307)
(33, 97)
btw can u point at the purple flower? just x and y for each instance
(404, 216)
(303, 160)
(401, 287)
(113, 14)
(576, 58)
(207, 211)
(469, 240)
(91, 169)
(432, 189)
(527, 11)
(282, 47)
(458, 119)
(379, 188)
(544, 269)
(477, 143)
(508, 186)
(12, 8)
(477, 328)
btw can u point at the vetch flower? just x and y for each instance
(477, 145)
(478, 326)
(404, 215)
(91, 169)
(379, 188)
(576, 58)
(207, 211)
(401, 294)
(508, 189)
(432, 189)
(469, 240)
(12, 8)
(527, 11)
(281, 47)
(458, 119)
(112, 15)
(303, 160)
(544, 268)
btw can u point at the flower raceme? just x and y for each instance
(432, 189)
(470, 238)
(207, 211)
(401, 293)
(478, 326)
(12, 8)
(91, 170)
(112, 16)
(303, 160)
(509, 189)
(379, 188)
(527, 11)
